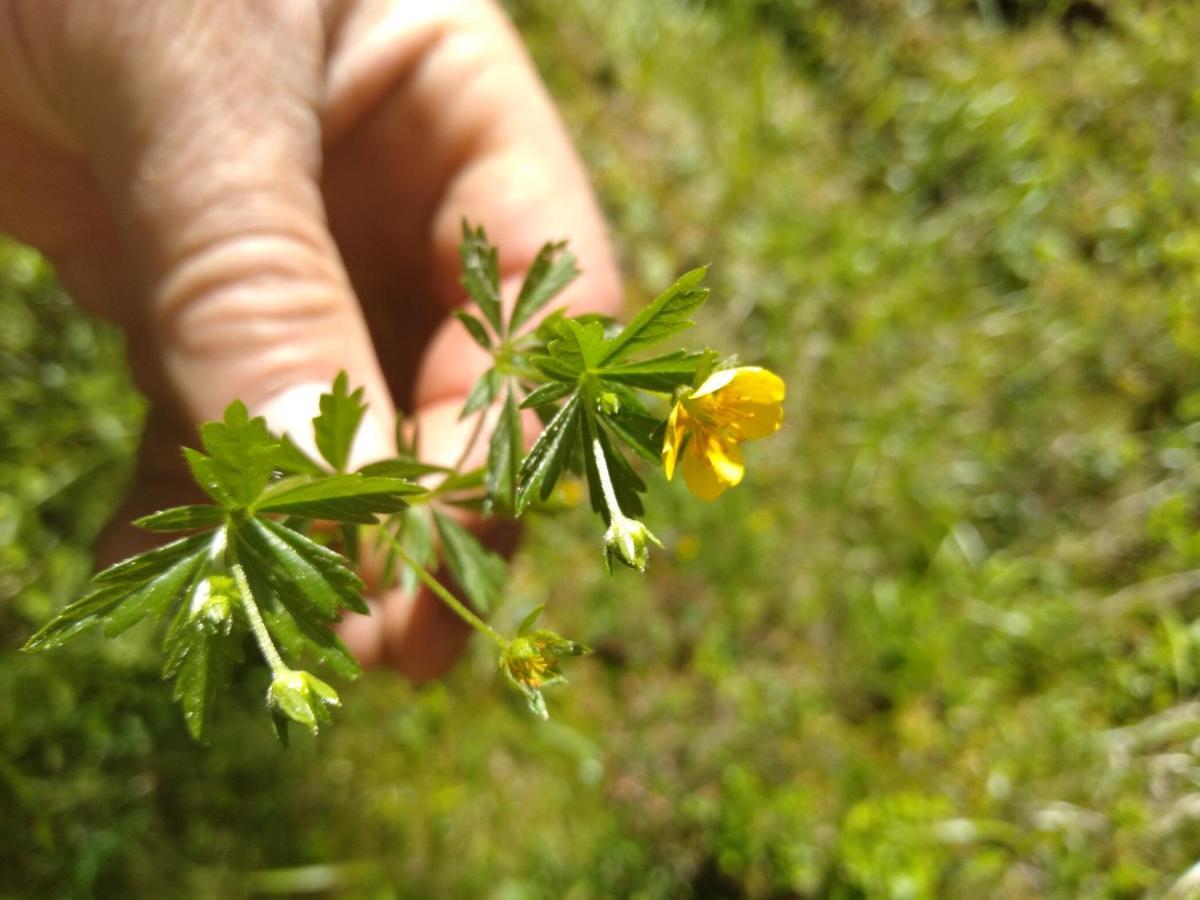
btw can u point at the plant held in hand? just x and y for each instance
(257, 561)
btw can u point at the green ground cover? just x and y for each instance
(941, 643)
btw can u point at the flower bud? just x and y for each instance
(302, 697)
(628, 540)
(530, 663)
(213, 604)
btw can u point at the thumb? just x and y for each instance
(199, 121)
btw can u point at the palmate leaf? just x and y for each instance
(334, 429)
(666, 315)
(242, 456)
(314, 575)
(481, 273)
(478, 571)
(126, 593)
(579, 346)
(549, 455)
(551, 271)
(348, 497)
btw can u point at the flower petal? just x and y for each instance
(672, 439)
(749, 405)
(710, 465)
(715, 382)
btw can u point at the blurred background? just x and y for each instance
(941, 643)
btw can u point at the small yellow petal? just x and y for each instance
(711, 465)
(715, 382)
(756, 384)
(672, 439)
(725, 457)
(748, 405)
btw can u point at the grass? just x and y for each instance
(941, 643)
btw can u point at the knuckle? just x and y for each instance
(249, 292)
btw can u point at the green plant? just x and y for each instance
(258, 560)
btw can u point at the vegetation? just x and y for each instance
(941, 642)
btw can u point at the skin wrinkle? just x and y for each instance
(22, 82)
(267, 253)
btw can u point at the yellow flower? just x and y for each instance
(705, 428)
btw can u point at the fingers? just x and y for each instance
(447, 113)
(202, 131)
(439, 103)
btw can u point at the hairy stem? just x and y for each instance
(606, 485)
(460, 609)
(257, 625)
(480, 418)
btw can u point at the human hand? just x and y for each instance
(263, 194)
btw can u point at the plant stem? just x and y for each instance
(606, 485)
(471, 441)
(459, 608)
(257, 625)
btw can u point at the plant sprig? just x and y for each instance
(256, 566)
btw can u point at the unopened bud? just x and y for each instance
(628, 540)
(302, 697)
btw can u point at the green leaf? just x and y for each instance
(280, 725)
(242, 456)
(482, 393)
(547, 394)
(300, 568)
(552, 270)
(201, 659)
(136, 568)
(182, 518)
(334, 568)
(475, 328)
(640, 432)
(302, 639)
(662, 373)
(481, 273)
(667, 314)
(556, 369)
(401, 468)
(334, 428)
(530, 619)
(291, 625)
(151, 583)
(348, 497)
(158, 594)
(478, 571)
(504, 457)
(549, 455)
(579, 346)
(466, 481)
(294, 461)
